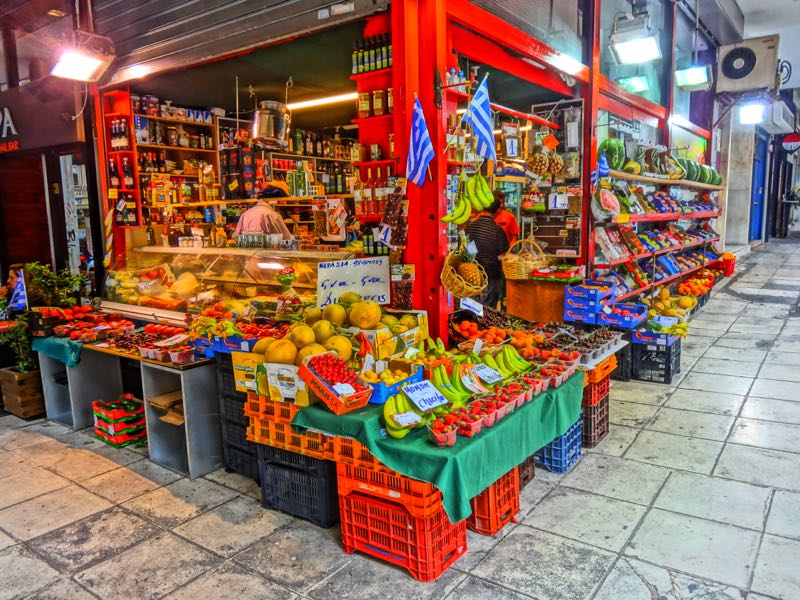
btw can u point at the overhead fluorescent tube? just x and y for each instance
(694, 78)
(635, 84)
(632, 40)
(349, 97)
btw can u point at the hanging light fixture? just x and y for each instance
(633, 42)
(86, 58)
(697, 77)
(635, 84)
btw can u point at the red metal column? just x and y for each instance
(424, 51)
(591, 98)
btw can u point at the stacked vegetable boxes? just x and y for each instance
(120, 423)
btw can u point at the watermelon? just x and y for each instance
(707, 174)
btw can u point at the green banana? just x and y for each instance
(457, 384)
(514, 359)
(465, 213)
(471, 194)
(458, 210)
(440, 349)
(484, 191)
(491, 362)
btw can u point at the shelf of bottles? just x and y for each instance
(122, 198)
(374, 160)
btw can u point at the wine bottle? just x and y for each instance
(127, 173)
(113, 174)
(379, 192)
(372, 50)
(369, 185)
(354, 59)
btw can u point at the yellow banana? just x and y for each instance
(484, 191)
(466, 213)
(471, 194)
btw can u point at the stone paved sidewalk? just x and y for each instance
(694, 494)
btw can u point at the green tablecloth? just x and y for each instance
(465, 470)
(62, 349)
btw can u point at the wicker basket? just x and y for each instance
(455, 284)
(528, 257)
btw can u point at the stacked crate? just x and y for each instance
(120, 423)
(594, 410)
(655, 362)
(497, 505)
(564, 451)
(239, 454)
(392, 517)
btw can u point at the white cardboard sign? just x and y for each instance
(367, 277)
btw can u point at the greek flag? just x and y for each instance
(479, 117)
(420, 147)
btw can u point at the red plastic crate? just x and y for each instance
(281, 435)
(121, 440)
(602, 370)
(595, 392)
(100, 409)
(595, 423)
(353, 452)
(119, 426)
(425, 547)
(421, 499)
(260, 406)
(496, 506)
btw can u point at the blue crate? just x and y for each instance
(580, 316)
(587, 291)
(559, 455)
(381, 391)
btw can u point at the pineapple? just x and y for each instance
(468, 269)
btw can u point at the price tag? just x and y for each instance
(472, 249)
(406, 419)
(477, 346)
(233, 185)
(623, 218)
(344, 389)
(472, 305)
(550, 142)
(486, 374)
(424, 395)
(113, 194)
(471, 383)
(369, 363)
(121, 205)
(411, 352)
(607, 309)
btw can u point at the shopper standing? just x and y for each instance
(491, 242)
(506, 219)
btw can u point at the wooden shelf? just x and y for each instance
(367, 163)
(176, 148)
(306, 157)
(177, 121)
(365, 120)
(623, 218)
(664, 281)
(511, 179)
(665, 181)
(169, 174)
(641, 255)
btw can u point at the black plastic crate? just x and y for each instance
(287, 458)
(624, 370)
(527, 471)
(659, 364)
(308, 495)
(232, 409)
(240, 461)
(595, 423)
(235, 434)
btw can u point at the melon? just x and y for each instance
(283, 352)
(365, 314)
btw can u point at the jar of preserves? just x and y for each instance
(364, 105)
(379, 102)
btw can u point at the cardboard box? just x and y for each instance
(244, 370)
(386, 344)
(338, 402)
(282, 383)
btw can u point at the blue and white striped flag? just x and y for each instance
(420, 147)
(479, 117)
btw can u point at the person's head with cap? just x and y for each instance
(498, 203)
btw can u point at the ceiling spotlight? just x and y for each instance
(349, 97)
(632, 40)
(54, 12)
(86, 59)
(635, 84)
(697, 78)
(752, 112)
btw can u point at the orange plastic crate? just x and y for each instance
(421, 499)
(496, 506)
(426, 547)
(603, 369)
(353, 452)
(595, 392)
(281, 435)
(260, 406)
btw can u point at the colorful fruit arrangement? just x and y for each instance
(334, 371)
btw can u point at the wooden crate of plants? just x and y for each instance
(22, 392)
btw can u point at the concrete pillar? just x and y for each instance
(737, 160)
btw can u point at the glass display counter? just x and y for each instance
(188, 279)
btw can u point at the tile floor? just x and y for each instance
(694, 494)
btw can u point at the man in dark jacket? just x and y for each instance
(491, 241)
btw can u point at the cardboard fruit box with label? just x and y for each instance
(410, 328)
(340, 397)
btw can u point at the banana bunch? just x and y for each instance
(430, 346)
(507, 362)
(451, 387)
(474, 194)
(400, 404)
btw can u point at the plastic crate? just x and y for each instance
(656, 363)
(624, 370)
(237, 460)
(260, 406)
(595, 392)
(133, 426)
(496, 506)
(527, 471)
(353, 452)
(235, 434)
(112, 415)
(602, 370)
(281, 435)
(308, 495)
(123, 439)
(426, 548)
(559, 455)
(232, 409)
(595, 423)
(287, 458)
(420, 498)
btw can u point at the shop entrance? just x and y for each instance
(757, 195)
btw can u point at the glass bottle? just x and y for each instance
(354, 59)
(369, 184)
(358, 192)
(113, 174)
(379, 193)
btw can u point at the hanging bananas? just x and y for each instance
(474, 194)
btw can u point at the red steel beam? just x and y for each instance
(471, 16)
(488, 52)
(640, 105)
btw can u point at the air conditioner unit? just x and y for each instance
(779, 119)
(749, 65)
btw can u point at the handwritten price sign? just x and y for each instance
(424, 395)
(367, 277)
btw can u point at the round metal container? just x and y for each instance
(271, 124)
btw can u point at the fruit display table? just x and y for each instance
(535, 301)
(465, 470)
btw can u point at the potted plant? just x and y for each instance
(21, 384)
